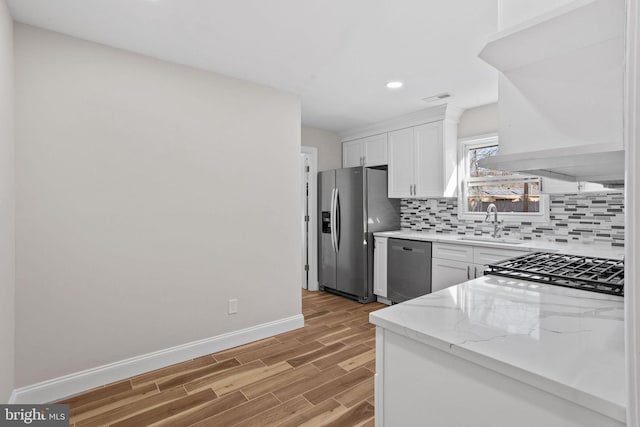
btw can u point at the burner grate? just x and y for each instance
(593, 274)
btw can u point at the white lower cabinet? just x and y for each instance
(455, 263)
(445, 273)
(380, 267)
(484, 256)
(478, 269)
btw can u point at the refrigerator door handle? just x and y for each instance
(337, 216)
(332, 220)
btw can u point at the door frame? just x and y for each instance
(632, 216)
(312, 152)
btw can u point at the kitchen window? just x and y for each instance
(517, 197)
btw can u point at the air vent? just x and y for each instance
(437, 97)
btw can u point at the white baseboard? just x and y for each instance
(69, 385)
(12, 398)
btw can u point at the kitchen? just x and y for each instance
(462, 252)
(146, 192)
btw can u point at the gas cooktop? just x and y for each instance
(588, 273)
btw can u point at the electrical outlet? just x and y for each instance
(232, 306)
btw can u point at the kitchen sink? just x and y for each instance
(492, 240)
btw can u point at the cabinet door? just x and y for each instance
(445, 273)
(375, 150)
(353, 153)
(484, 256)
(429, 160)
(478, 270)
(401, 163)
(453, 252)
(380, 267)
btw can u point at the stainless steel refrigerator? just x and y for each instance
(352, 204)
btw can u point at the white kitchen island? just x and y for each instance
(500, 352)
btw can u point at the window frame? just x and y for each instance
(464, 145)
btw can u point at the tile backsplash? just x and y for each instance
(596, 218)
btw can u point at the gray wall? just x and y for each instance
(328, 144)
(477, 121)
(148, 194)
(7, 194)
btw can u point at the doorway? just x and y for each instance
(309, 224)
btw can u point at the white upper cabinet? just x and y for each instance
(422, 161)
(368, 151)
(430, 162)
(352, 154)
(376, 150)
(420, 149)
(401, 156)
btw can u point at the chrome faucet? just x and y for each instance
(497, 225)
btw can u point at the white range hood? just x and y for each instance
(561, 93)
(592, 163)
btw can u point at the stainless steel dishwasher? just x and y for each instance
(408, 269)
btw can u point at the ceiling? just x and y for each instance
(336, 55)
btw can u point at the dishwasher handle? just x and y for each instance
(401, 247)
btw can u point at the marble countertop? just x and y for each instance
(565, 341)
(600, 250)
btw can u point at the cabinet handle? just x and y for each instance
(414, 189)
(468, 272)
(475, 272)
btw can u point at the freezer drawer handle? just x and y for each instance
(404, 248)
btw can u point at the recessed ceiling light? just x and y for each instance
(394, 85)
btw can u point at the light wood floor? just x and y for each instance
(320, 375)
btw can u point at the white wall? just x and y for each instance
(477, 121)
(513, 12)
(7, 194)
(148, 194)
(328, 144)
